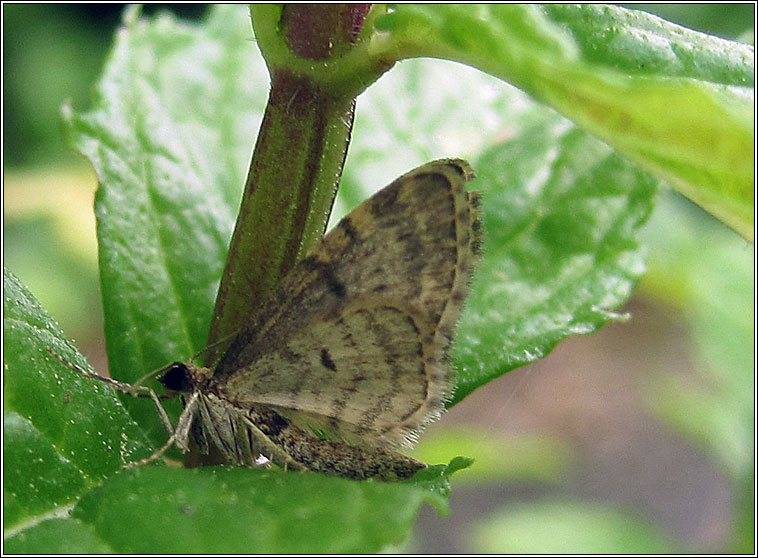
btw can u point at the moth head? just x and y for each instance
(177, 377)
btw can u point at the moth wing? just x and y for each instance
(352, 344)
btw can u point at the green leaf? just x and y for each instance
(169, 136)
(436, 479)
(565, 527)
(237, 510)
(62, 432)
(422, 110)
(561, 210)
(677, 102)
(57, 536)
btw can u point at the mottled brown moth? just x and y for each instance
(347, 360)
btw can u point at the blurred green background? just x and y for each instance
(639, 438)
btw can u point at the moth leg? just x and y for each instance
(268, 448)
(178, 436)
(198, 433)
(245, 450)
(134, 391)
(130, 389)
(215, 429)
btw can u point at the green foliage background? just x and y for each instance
(562, 209)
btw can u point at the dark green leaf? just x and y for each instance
(62, 432)
(236, 510)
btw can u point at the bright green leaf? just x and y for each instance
(37, 478)
(57, 536)
(678, 102)
(169, 136)
(561, 210)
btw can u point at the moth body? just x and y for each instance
(241, 433)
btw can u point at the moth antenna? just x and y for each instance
(149, 376)
(214, 344)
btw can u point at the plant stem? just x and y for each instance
(294, 172)
(295, 169)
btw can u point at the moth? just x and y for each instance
(347, 361)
